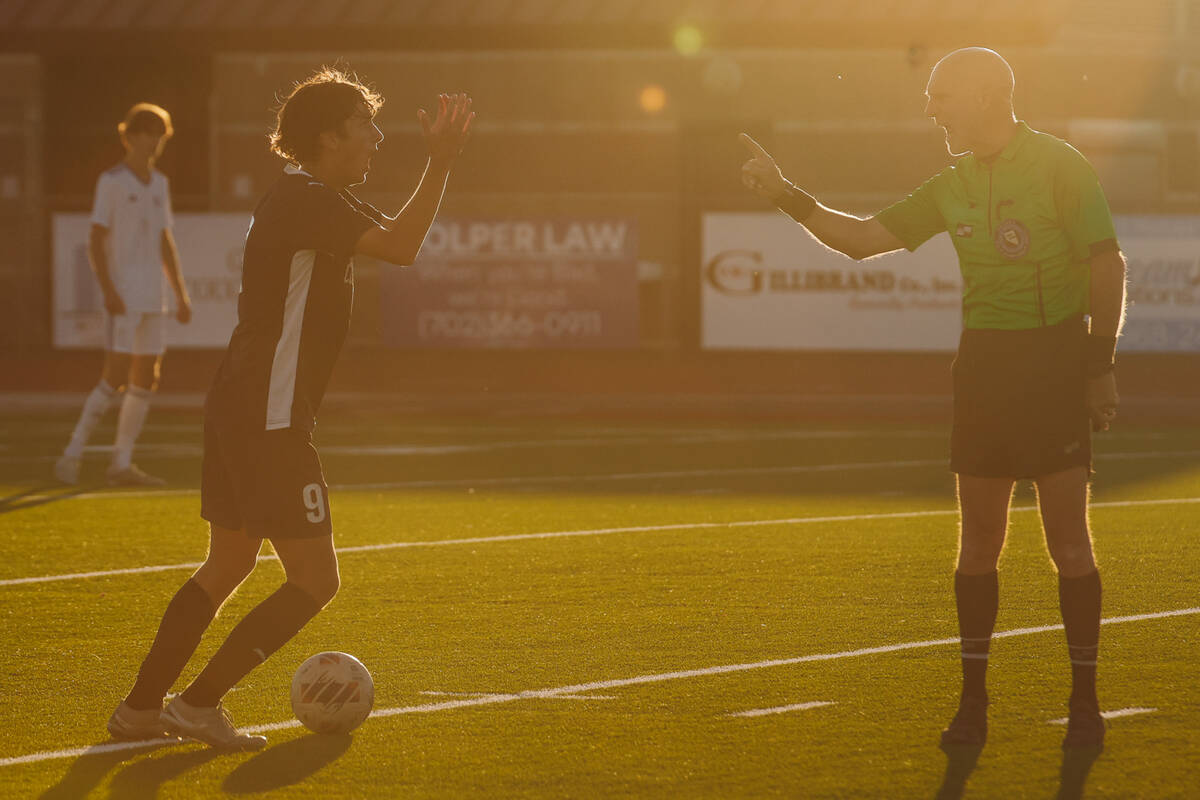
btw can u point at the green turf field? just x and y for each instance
(593, 609)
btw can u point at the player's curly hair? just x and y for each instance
(321, 102)
(146, 118)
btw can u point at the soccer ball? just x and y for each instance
(332, 693)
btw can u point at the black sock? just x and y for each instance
(267, 627)
(188, 615)
(978, 600)
(1079, 600)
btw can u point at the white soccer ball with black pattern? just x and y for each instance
(332, 693)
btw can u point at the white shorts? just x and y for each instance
(137, 334)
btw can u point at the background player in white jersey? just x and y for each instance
(133, 254)
(261, 478)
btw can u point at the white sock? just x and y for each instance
(129, 425)
(98, 401)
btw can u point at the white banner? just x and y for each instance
(1163, 254)
(767, 285)
(210, 253)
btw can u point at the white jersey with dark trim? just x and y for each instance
(294, 306)
(135, 213)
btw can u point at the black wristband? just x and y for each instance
(1101, 355)
(796, 203)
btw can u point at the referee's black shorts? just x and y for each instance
(1020, 402)
(268, 483)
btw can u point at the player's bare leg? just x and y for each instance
(104, 395)
(232, 556)
(1062, 499)
(983, 510)
(312, 581)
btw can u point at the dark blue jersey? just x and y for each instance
(294, 306)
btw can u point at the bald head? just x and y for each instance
(977, 69)
(970, 94)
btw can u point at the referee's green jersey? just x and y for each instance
(1024, 224)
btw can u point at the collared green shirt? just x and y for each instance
(1024, 224)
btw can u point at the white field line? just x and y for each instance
(648, 434)
(167, 450)
(543, 480)
(762, 712)
(172, 450)
(496, 694)
(558, 691)
(1120, 712)
(539, 480)
(518, 537)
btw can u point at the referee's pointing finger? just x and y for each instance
(754, 147)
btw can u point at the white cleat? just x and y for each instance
(66, 469)
(132, 476)
(132, 725)
(213, 726)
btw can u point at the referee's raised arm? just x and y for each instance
(855, 237)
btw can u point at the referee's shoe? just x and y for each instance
(969, 726)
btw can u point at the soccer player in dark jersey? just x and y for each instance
(261, 478)
(1043, 303)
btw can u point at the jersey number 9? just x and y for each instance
(314, 501)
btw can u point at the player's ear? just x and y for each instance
(329, 140)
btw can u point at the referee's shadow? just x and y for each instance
(960, 763)
(1076, 765)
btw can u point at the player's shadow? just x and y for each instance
(1076, 765)
(87, 771)
(287, 763)
(960, 763)
(144, 778)
(39, 496)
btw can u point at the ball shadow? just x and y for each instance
(288, 763)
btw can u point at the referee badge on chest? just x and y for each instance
(1012, 239)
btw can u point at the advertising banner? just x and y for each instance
(766, 284)
(1163, 256)
(517, 283)
(210, 253)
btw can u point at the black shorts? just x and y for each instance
(1020, 402)
(268, 483)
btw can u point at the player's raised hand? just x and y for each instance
(761, 174)
(447, 133)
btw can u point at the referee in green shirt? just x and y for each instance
(1043, 302)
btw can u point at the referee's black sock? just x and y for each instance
(267, 627)
(1079, 600)
(978, 600)
(188, 615)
